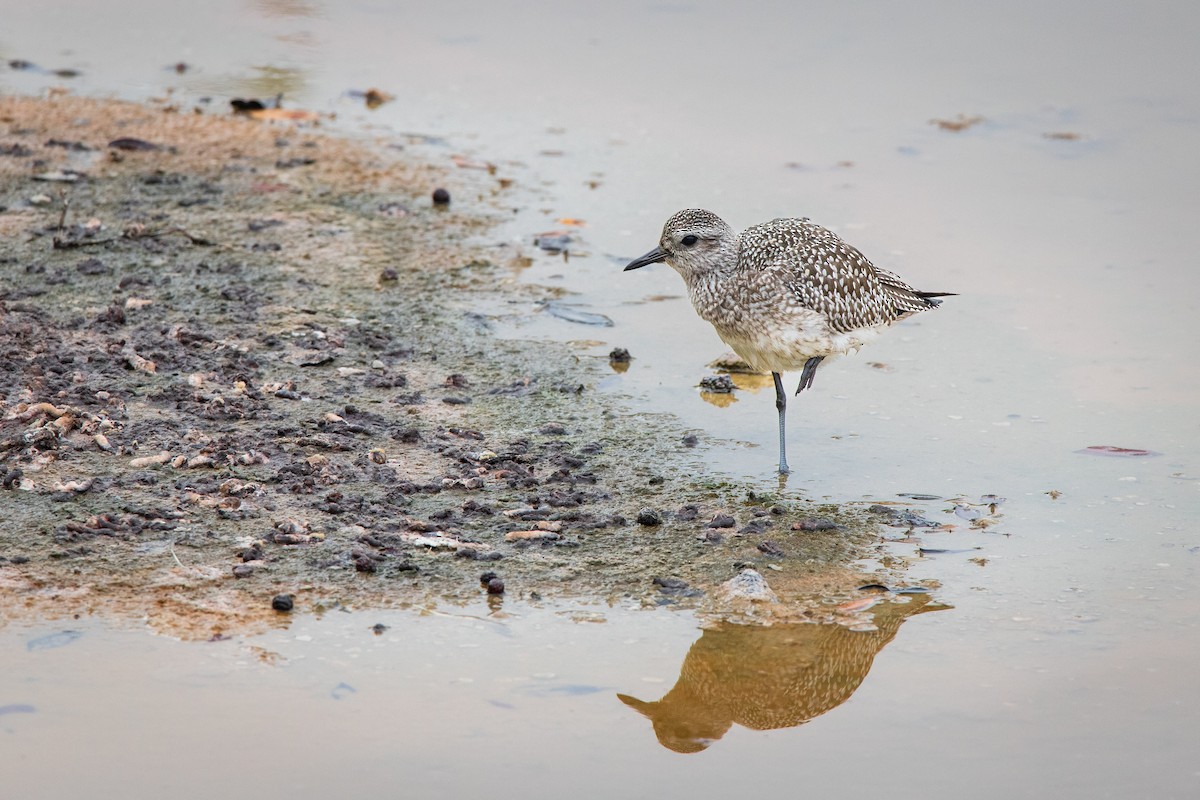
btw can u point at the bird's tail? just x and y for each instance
(929, 297)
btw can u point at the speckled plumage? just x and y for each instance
(784, 294)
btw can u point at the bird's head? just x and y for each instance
(694, 242)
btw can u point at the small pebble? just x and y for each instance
(282, 602)
(676, 587)
(722, 521)
(487, 577)
(495, 586)
(620, 355)
(756, 525)
(748, 585)
(814, 524)
(691, 440)
(378, 628)
(441, 197)
(670, 583)
(717, 384)
(243, 571)
(649, 517)
(478, 555)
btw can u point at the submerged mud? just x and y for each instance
(239, 361)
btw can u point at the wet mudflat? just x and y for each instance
(231, 378)
(1042, 422)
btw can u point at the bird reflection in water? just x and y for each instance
(765, 678)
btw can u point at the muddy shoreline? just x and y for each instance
(239, 360)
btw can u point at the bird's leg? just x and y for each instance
(781, 405)
(810, 370)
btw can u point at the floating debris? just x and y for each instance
(462, 162)
(342, 690)
(553, 241)
(716, 384)
(957, 124)
(17, 708)
(1112, 450)
(131, 144)
(572, 314)
(52, 640)
(373, 98)
(967, 512)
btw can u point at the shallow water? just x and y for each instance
(1065, 666)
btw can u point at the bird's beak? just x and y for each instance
(655, 256)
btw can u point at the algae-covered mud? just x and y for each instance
(240, 360)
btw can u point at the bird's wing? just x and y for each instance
(823, 273)
(906, 299)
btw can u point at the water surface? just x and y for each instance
(1065, 221)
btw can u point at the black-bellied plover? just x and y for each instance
(785, 294)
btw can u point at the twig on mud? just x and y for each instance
(177, 561)
(132, 234)
(433, 612)
(66, 205)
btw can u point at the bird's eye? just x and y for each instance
(689, 240)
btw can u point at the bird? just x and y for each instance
(784, 294)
